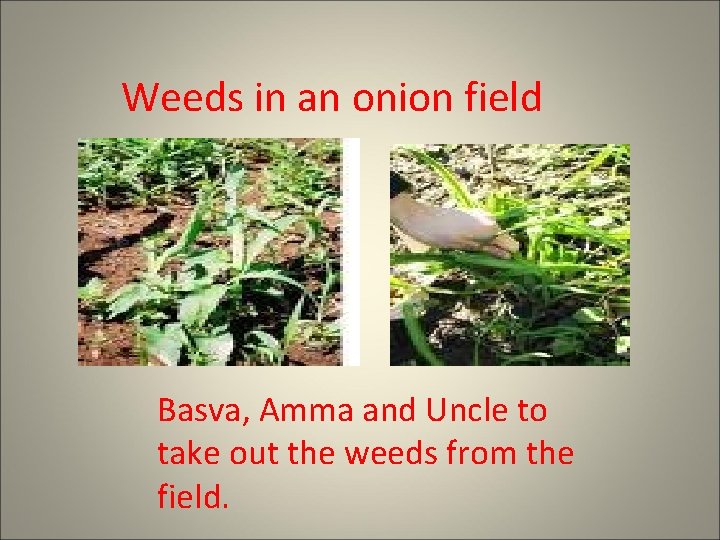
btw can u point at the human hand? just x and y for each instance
(451, 228)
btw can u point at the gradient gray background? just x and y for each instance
(78, 456)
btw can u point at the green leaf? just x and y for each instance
(128, 297)
(583, 231)
(417, 335)
(92, 290)
(593, 164)
(578, 267)
(270, 274)
(454, 186)
(165, 344)
(234, 177)
(233, 182)
(291, 326)
(213, 261)
(285, 222)
(313, 225)
(265, 236)
(263, 344)
(562, 330)
(589, 315)
(265, 339)
(459, 259)
(621, 233)
(189, 282)
(219, 348)
(526, 357)
(272, 291)
(601, 221)
(622, 344)
(565, 345)
(194, 309)
(192, 230)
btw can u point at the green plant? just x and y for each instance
(268, 347)
(297, 179)
(318, 332)
(301, 184)
(238, 281)
(91, 294)
(143, 170)
(564, 298)
(323, 149)
(186, 312)
(262, 148)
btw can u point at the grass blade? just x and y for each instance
(192, 230)
(265, 236)
(291, 328)
(233, 181)
(455, 187)
(270, 274)
(417, 335)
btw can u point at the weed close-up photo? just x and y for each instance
(209, 252)
(510, 254)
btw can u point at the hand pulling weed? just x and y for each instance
(570, 280)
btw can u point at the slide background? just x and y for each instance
(78, 454)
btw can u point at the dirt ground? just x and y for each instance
(110, 248)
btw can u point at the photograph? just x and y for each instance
(209, 252)
(510, 254)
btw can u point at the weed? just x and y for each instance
(564, 298)
(212, 294)
(297, 179)
(142, 170)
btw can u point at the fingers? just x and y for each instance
(451, 228)
(465, 245)
(502, 246)
(483, 219)
(496, 251)
(491, 249)
(484, 225)
(506, 242)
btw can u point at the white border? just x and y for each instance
(351, 253)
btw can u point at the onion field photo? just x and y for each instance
(209, 252)
(550, 286)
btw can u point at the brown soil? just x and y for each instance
(110, 247)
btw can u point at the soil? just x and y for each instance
(110, 247)
(449, 325)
